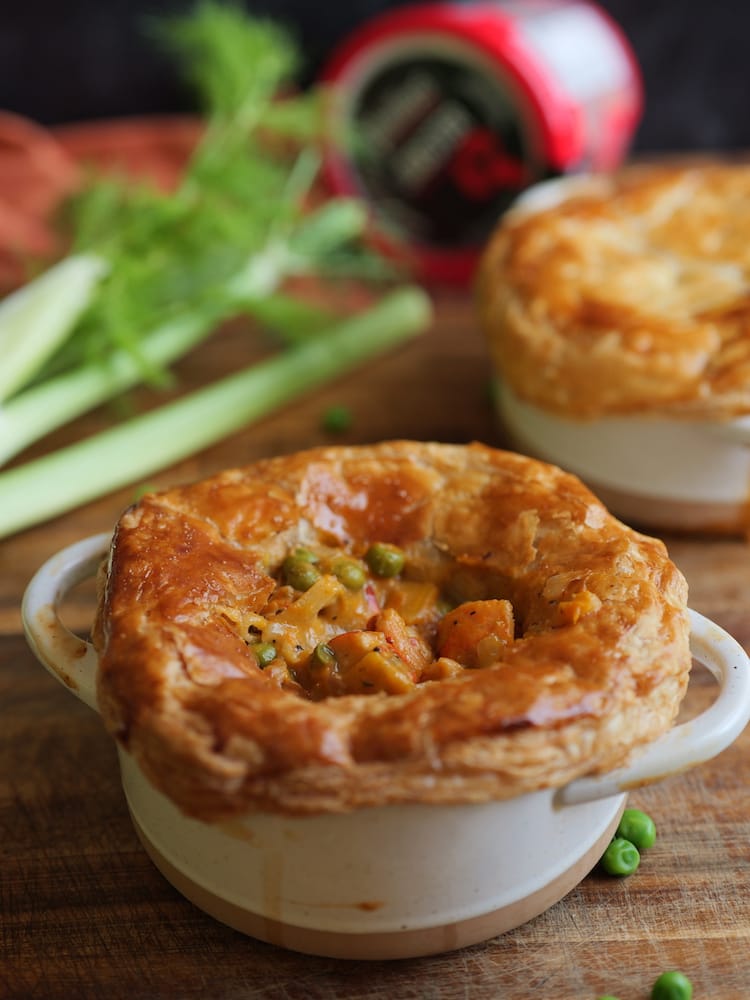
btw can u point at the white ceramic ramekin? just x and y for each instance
(674, 475)
(396, 881)
(653, 469)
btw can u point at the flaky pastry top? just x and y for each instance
(630, 295)
(556, 643)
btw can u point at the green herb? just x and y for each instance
(153, 273)
(264, 652)
(239, 222)
(236, 72)
(322, 656)
(131, 451)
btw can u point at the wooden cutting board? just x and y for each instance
(83, 912)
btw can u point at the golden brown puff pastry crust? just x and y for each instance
(631, 295)
(597, 668)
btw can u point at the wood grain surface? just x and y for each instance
(84, 913)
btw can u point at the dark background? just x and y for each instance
(66, 60)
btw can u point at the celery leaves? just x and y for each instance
(151, 273)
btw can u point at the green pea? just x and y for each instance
(620, 858)
(672, 986)
(307, 554)
(265, 653)
(337, 419)
(350, 573)
(637, 827)
(299, 572)
(384, 559)
(322, 656)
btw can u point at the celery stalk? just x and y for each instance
(31, 414)
(57, 482)
(37, 318)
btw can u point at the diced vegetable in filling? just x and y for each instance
(339, 624)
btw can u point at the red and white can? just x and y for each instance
(442, 113)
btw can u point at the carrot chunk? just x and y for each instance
(476, 632)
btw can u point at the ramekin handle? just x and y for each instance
(73, 661)
(68, 657)
(694, 741)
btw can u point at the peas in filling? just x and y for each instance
(347, 621)
(299, 570)
(351, 573)
(384, 559)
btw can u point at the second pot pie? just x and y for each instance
(630, 295)
(401, 622)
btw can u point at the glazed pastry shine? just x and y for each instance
(632, 295)
(528, 638)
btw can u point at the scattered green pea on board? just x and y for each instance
(621, 857)
(337, 419)
(670, 985)
(637, 827)
(636, 832)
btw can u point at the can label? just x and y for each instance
(457, 108)
(444, 146)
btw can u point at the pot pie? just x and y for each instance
(631, 295)
(402, 622)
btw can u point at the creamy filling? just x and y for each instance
(343, 624)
